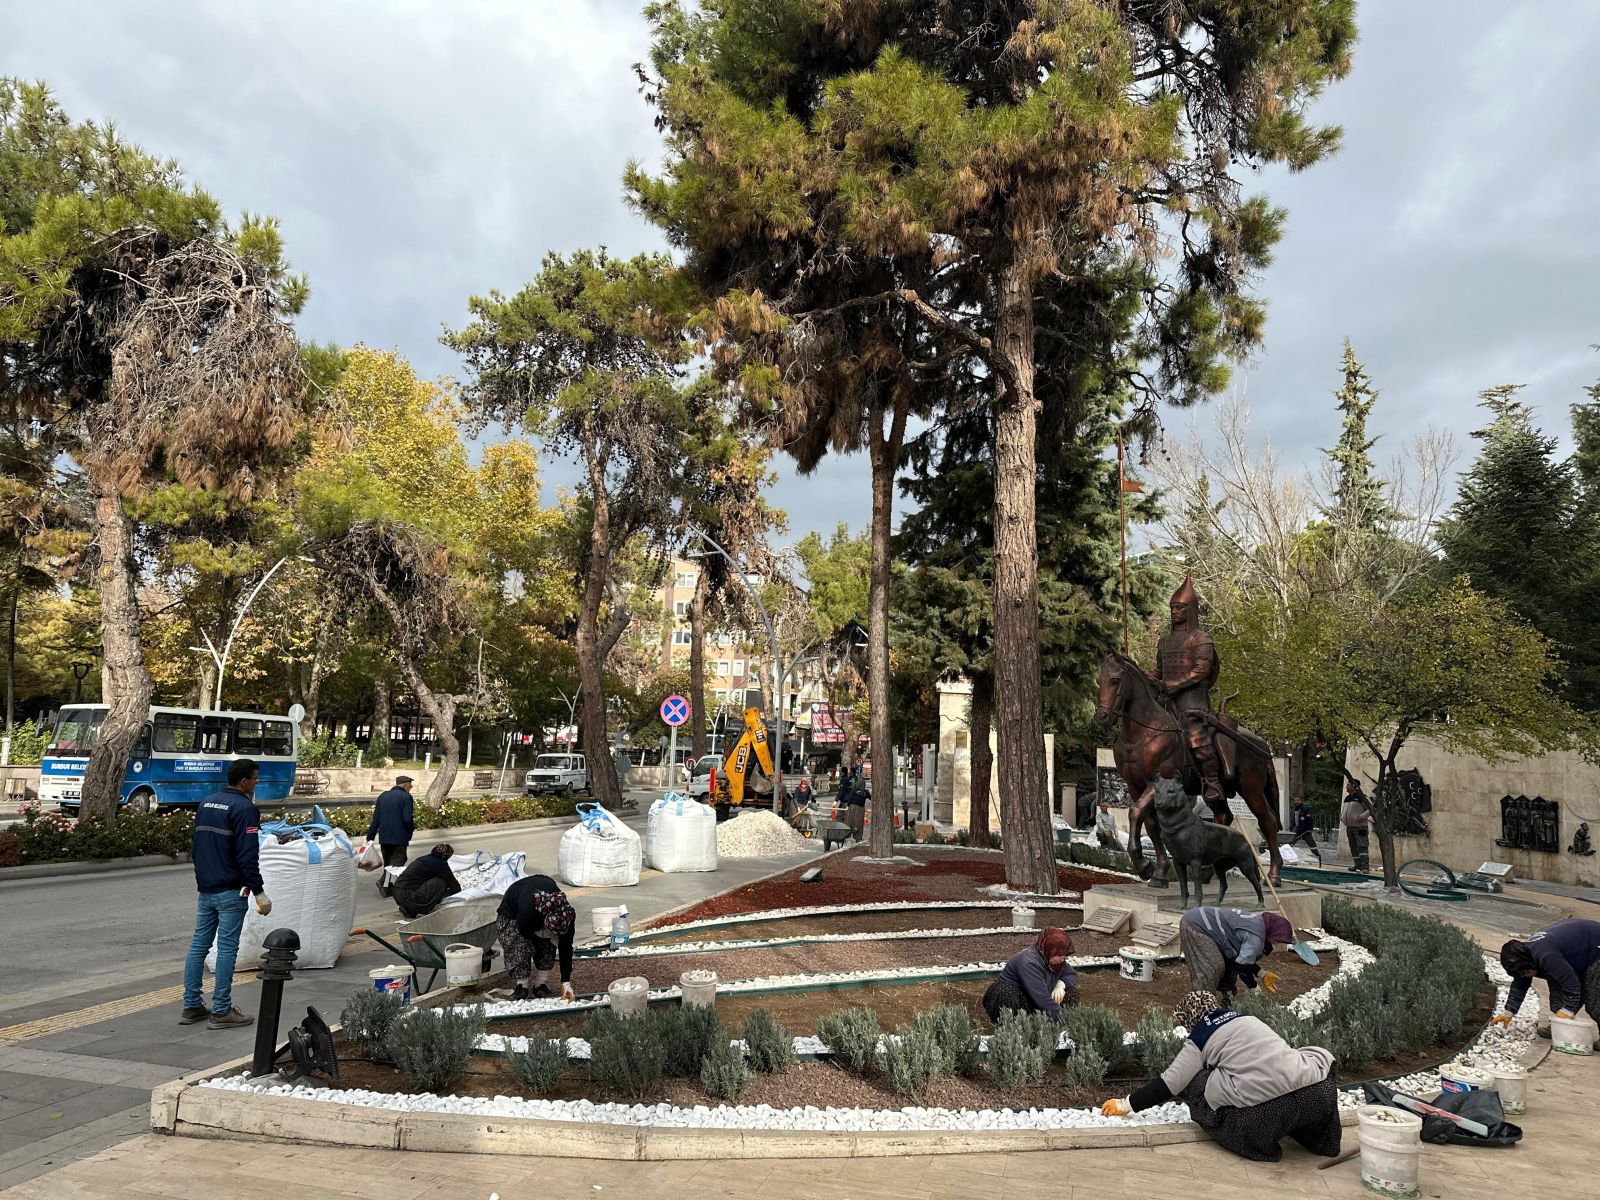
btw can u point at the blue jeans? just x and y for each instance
(220, 915)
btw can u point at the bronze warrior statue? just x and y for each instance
(1186, 667)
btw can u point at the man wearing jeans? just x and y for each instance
(226, 869)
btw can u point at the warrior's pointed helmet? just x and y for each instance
(1186, 605)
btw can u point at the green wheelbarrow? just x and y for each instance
(423, 941)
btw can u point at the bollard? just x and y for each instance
(277, 968)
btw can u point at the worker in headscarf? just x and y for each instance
(424, 884)
(1039, 979)
(1224, 945)
(1567, 955)
(536, 922)
(1244, 1085)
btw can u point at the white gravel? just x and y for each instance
(759, 833)
(647, 950)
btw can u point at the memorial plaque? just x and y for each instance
(1108, 920)
(1156, 934)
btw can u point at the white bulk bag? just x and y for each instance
(599, 851)
(311, 882)
(681, 835)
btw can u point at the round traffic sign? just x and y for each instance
(674, 710)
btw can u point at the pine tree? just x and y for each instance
(1358, 500)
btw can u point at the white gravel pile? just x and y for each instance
(758, 833)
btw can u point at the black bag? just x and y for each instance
(1482, 1106)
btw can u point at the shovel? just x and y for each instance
(1306, 953)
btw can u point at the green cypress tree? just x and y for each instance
(1358, 500)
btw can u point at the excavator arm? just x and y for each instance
(736, 767)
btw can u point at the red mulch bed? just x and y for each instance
(936, 875)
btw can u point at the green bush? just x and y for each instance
(1292, 1029)
(625, 1053)
(456, 813)
(1084, 855)
(950, 1027)
(851, 1035)
(377, 752)
(54, 837)
(912, 1061)
(1016, 1058)
(1085, 1068)
(1100, 1027)
(1159, 1040)
(687, 1036)
(367, 1019)
(326, 750)
(723, 1073)
(769, 1045)
(539, 1066)
(28, 741)
(433, 1046)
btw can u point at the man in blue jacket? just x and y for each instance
(226, 857)
(393, 822)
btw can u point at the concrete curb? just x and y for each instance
(91, 867)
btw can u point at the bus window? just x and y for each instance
(77, 730)
(277, 739)
(176, 733)
(247, 736)
(142, 750)
(216, 735)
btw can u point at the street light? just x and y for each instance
(221, 660)
(80, 671)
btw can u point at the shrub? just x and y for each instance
(453, 813)
(950, 1027)
(326, 750)
(498, 812)
(53, 837)
(1084, 855)
(1016, 1059)
(768, 1044)
(10, 849)
(687, 1036)
(851, 1035)
(625, 1053)
(433, 1046)
(27, 743)
(377, 754)
(912, 1061)
(723, 1073)
(1292, 1029)
(1159, 1040)
(1085, 1068)
(539, 1066)
(367, 1019)
(1098, 1026)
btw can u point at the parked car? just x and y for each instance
(559, 773)
(699, 784)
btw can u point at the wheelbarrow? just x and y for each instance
(423, 941)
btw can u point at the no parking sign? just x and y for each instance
(675, 710)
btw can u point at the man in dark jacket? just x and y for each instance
(425, 884)
(1301, 827)
(1567, 955)
(394, 821)
(1354, 817)
(226, 856)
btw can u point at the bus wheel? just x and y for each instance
(142, 801)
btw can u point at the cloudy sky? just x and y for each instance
(420, 151)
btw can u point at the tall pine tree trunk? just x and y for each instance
(124, 683)
(979, 723)
(697, 665)
(382, 719)
(1018, 691)
(11, 659)
(884, 446)
(603, 783)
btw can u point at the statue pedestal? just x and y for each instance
(1301, 905)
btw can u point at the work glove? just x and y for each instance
(1269, 980)
(1116, 1108)
(567, 993)
(1059, 992)
(1564, 1014)
(263, 905)
(1502, 1019)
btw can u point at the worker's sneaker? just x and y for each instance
(232, 1019)
(541, 993)
(193, 1016)
(519, 992)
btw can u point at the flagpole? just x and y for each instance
(1122, 528)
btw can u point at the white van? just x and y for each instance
(558, 773)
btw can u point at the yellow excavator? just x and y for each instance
(728, 792)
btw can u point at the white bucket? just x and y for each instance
(604, 919)
(629, 997)
(699, 989)
(1391, 1148)
(1573, 1035)
(1137, 965)
(395, 979)
(1464, 1079)
(1512, 1084)
(1022, 917)
(463, 964)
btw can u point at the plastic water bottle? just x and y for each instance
(619, 928)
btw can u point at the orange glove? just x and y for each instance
(1564, 1014)
(1116, 1108)
(1269, 980)
(1502, 1019)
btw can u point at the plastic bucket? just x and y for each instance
(1391, 1149)
(1022, 917)
(395, 979)
(1464, 1079)
(463, 964)
(1512, 1084)
(1137, 965)
(604, 919)
(1573, 1035)
(699, 989)
(629, 997)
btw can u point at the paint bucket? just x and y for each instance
(1464, 1079)
(1137, 965)
(463, 964)
(1022, 917)
(629, 997)
(1573, 1035)
(1391, 1149)
(699, 989)
(1512, 1084)
(394, 979)
(604, 919)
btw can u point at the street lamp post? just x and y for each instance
(221, 660)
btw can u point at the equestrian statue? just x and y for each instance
(1165, 720)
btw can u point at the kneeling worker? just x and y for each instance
(1037, 980)
(423, 885)
(1244, 1085)
(536, 924)
(1224, 945)
(1567, 954)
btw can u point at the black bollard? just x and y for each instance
(277, 968)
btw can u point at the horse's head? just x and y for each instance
(1113, 700)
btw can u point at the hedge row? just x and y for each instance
(455, 813)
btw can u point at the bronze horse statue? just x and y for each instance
(1150, 738)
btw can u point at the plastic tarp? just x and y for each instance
(311, 880)
(599, 851)
(681, 835)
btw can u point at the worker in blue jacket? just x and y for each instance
(1567, 955)
(394, 821)
(226, 856)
